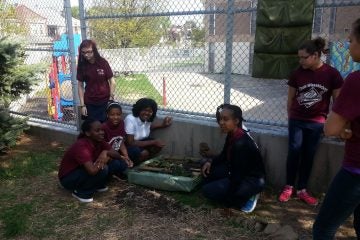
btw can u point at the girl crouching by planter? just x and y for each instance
(89, 162)
(236, 176)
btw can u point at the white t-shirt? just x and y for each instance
(134, 126)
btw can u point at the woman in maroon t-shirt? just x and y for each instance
(311, 87)
(343, 196)
(95, 73)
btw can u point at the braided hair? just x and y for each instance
(236, 112)
(86, 127)
(113, 105)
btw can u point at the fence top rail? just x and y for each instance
(180, 13)
(212, 11)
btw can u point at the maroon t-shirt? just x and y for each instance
(313, 92)
(95, 76)
(114, 135)
(346, 105)
(83, 150)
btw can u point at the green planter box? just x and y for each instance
(162, 181)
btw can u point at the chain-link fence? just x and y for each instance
(190, 56)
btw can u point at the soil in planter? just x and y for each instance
(177, 166)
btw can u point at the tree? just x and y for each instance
(196, 34)
(198, 37)
(9, 24)
(126, 32)
(75, 12)
(15, 79)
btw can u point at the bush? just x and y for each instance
(16, 79)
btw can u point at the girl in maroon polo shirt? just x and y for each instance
(114, 129)
(311, 87)
(343, 196)
(95, 73)
(87, 164)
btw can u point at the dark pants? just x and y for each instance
(134, 152)
(341, 200)
(304, 138)
(97, 112)
(86, 184)
(218, 187)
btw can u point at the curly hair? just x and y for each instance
(143, 103)
(236, 110)
(356, 29)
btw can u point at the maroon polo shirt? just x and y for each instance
(114, 135)
(346, 105)
(82, 151)
(95, 76)
(313, 92)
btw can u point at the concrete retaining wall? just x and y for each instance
(184, 136)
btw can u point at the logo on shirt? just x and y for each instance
(115, 142)
(100, 71)
(310, 94)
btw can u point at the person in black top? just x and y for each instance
(235, 177)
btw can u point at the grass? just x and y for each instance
(136, 86)
(18, 204)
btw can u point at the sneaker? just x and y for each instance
(307, 198)
(102, 189)
(81, 197)
(250, 204)
(286, 193)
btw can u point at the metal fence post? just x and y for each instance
(68, 17)
(228, 50)
(82, 19)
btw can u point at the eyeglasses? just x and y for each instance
(87, 52)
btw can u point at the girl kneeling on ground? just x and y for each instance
(236, 176)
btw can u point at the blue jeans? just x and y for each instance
(86, 184)
(97, 112)
(341, 200)
(304, 138)
(218, 187)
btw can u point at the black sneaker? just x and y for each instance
(81, 197)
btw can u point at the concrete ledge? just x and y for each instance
(52, 133)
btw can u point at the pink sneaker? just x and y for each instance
(307, 198)
(286, 193)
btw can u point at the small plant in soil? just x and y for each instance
(177, 166)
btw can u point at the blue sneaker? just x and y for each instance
(250, 204)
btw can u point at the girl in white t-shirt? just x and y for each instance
(138, 126)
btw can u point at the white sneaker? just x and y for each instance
(82, 199)
(102, 189)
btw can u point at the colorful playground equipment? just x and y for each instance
(60, 96)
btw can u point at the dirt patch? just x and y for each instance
(148, 201)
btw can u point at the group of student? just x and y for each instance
(108, 145)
